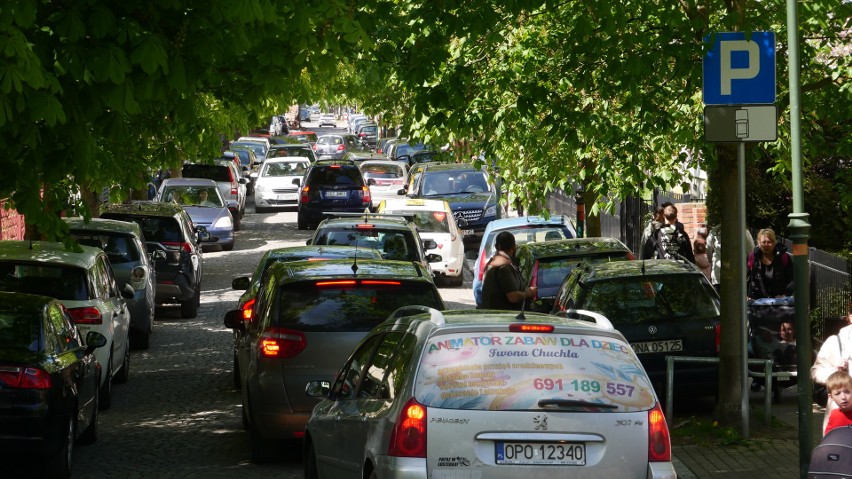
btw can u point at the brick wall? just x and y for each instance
(692, 215)
(12, 226)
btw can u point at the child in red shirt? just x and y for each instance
(839, 386)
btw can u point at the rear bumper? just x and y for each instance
(31, 433)
(389, 467)
(141, 307)
(179, 289)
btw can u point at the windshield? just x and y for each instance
(514, 371)
(289, 168)
(425, 221)
(454, 182)
(193, 196)
(527, 234)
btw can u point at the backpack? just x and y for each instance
(832, 458)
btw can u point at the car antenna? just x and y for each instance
(643, 267)
(355, 260)
(521, 316)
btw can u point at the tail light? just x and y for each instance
(248, 309)
(365, 194)
(185, 246)
(482, 262)
(531, 328)
(718, 330)
(362, 135)
(234, 184)
(534, 279)
(341, 147)
(87, 315)
(408, 438)
(281, 343)
(659, 441)
(304, 196)
(19, 377)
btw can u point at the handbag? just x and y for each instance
(820, 392)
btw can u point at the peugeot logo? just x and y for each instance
(652, 329)
(540, 422)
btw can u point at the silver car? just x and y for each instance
(488, 394)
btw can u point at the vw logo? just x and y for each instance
(652, 329)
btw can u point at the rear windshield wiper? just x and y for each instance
(574, 402)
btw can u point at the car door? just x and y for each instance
(79, 369)
(116, 309)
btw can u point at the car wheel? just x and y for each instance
(229, 247)
(90, 435)
(189, 308)
(301, 223)
(238, 219)
(105, 391)
(455, 281)
(141, 339)
(59, 465)
(310, 461)
(262, 450)
(124, 374)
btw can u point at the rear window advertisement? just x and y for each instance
(513, 371)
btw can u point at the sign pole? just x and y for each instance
(739, 275)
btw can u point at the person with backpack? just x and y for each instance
(770, 268)
(668, 239)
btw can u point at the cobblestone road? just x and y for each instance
(179, 416)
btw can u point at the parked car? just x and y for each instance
(525, 229)
(394, 236)
(85, 285)
(434, 221)
(49, 380)
(174, 243)
(547, 263)
(467, 189)
(201, 199)
(428, 393)
(384, 178)
(231, 184)
(258, 148)
(307, 317)
(663, 307)
(293, 149)
(368, 135)
(383, 143)
(327, 119)
(331, 187)
(279, 182)
(304, 136)
(361, 156)
(248, 164)
(403, 148)
(251, 283)
(335, 146)
(124, 245)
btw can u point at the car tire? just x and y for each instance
(124, 373)
(229, 247)
(189, 308)
(301, 223)
(455, 280)
(262, 450)
(105, 391)
(90, 435)
(238, 220)
(141, 340)
(59, 465)
(310, 461)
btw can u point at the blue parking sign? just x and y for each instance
(738, 71)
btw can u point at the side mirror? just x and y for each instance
(127, 292)
(94, 340)
(202, 233)
(241, 283)
(308, 241)
(297, 181)
(234, 319)
(317, 389)
(158, 255)
(434, 258)
(242, 181)
(429, 244)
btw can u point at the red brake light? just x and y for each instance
(365, 193)
(659, 441)
(334, 166)
(364, 226)
(281, 343)
(18, 377)
(482, 262)
(304, 196)
(348, 282)
(341, 147)
(531, 328)
(185, 246)
(248, 308)
(408, 438)
(314, 146)
(87, 315)
(380, 283)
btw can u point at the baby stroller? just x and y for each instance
(832, 458)
(771, 336)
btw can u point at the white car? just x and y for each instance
(328, 119)
(434, 221)
(278, 182)
(384, 178)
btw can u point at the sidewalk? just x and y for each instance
(772, 455)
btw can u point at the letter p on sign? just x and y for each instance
(727, 70)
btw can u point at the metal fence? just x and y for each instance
(831, 284)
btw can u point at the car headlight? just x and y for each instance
(491, 211)
(223, 222)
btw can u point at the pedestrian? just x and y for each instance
(833, 356)
(699, 250)
(502, 286)
(655, 223)
(839, 386)
(769, 268)
(714, 253)
(669, 239)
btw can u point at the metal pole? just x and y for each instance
(799, 233)
(740, 286)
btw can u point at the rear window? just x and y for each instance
(259, 149)
(425, 221)
(382, 171)
(65, 283)
(514, 371)
(369, 129)
(552, 272)
(211, 172)
(347, 304)
(118, 248)
(330, 140)
(330, 176)
(304, 136)
(158, 229)
(19, 332)
(392, 244)
(529, 234)
(244, 157)
(636, 300)
(300, 151)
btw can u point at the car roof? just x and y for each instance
(355, 219)
(287, 159)
(147, 208)
(189, 182)
(105, 225)
(322, 251)
(383, 162)
(627, 269)
(415, 204)
(574, 246)
(514, 222)
(450, 167)
(48, 252)
(477, 317)
(343, 269)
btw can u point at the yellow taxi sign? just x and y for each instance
(414, 202)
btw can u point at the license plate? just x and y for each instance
(467, 232)
(541, 453)
(337, 194)
(288, 196)
(667, 346)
